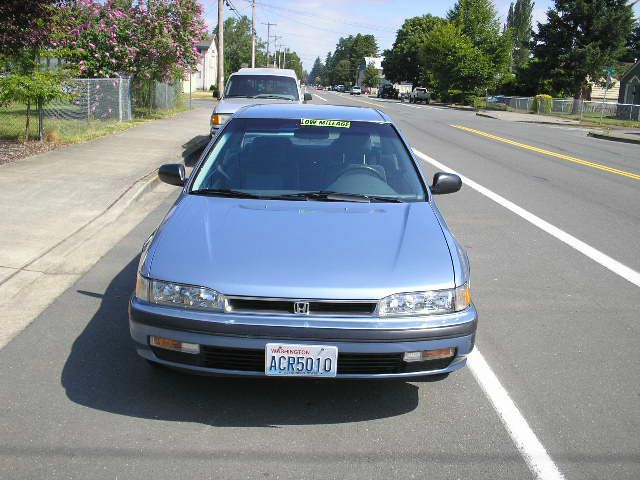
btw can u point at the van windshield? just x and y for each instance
(270, 158)
(262, 86)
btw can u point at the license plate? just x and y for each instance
(288, 360)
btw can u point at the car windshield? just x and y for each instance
(268, 158)
(262, 86)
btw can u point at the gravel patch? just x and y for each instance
(12, 150)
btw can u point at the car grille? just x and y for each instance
(287, 306)
(251, 360)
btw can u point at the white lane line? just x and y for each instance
(596, 255)
(533, 452)
(316, 95)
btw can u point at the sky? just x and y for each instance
(312, 27)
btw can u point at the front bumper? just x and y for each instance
(356, 338)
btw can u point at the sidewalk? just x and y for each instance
(526, 117)
(55, 202)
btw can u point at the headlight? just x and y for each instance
(219, 119)
(178, 295)
(426, 303)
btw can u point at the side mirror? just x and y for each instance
(307, 97)
(445, 183)
(172, 173)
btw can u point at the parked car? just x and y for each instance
(251, 86)
(420, 94)
(319, 87)
(355, 90)
(340, 88)
(387, 91)
(315, 248)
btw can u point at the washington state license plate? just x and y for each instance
(289, 360)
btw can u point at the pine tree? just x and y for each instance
(519, 24)
(580, 40)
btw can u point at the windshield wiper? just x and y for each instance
(273, 95)
(329, 196)
(224, 192)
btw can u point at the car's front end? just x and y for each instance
(310, 252)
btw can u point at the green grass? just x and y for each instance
(13, 118)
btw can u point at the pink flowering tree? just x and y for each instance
(151, 40)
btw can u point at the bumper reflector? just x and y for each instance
(169, 344)
(429, 355)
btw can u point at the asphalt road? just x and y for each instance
(558, 329)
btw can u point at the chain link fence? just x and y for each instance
(583, 109)
(90, 101)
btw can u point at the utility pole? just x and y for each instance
(269, 25)
(284, 57)
(253, 34)
(220, 47)
(276, 57)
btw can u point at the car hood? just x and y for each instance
(291, 249)
(232, 105)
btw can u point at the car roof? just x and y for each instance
(317, 112)
(280, 72)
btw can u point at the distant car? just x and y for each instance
(305, 243)
(340, 88)
(420, 94)
(355, 90)
(252, 86)
(387, 91)
(319, 87)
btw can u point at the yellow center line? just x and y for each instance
(569, 158)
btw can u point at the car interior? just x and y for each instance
(314, 159)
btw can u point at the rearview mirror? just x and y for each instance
(172, 173)
(445, 183)
(307, 97)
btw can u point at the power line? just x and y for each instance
(315, 16)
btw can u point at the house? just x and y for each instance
(599, 92)
(630, 85)
(206, 73)
(377, 62)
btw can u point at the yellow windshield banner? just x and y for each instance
(310, 122)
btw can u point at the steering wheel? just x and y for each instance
(368, 169)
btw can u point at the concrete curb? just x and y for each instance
(42, 280)
(613, 138)
(485, 115)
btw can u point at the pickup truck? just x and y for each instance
(420, 94)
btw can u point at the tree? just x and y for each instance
(580, 39)
(401, 62)
(317, 71)
(478, 21)
(519, 24)
(294, 63)
(632, 53)
(371, 76)
(152, 39)
(457, 68)
(37, 89)
(352, 49)
(25, 24)
(237, 45)
(342, 72)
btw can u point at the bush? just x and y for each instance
(479, 102)
(542, 104)
(214, 90)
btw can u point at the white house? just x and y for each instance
(377, 62)
(206, 73)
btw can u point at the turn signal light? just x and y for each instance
(429, 355)
(175, 345)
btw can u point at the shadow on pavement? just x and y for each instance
(104, 372)
(193, 148)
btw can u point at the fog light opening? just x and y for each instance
(175, 345)
(429, 355)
